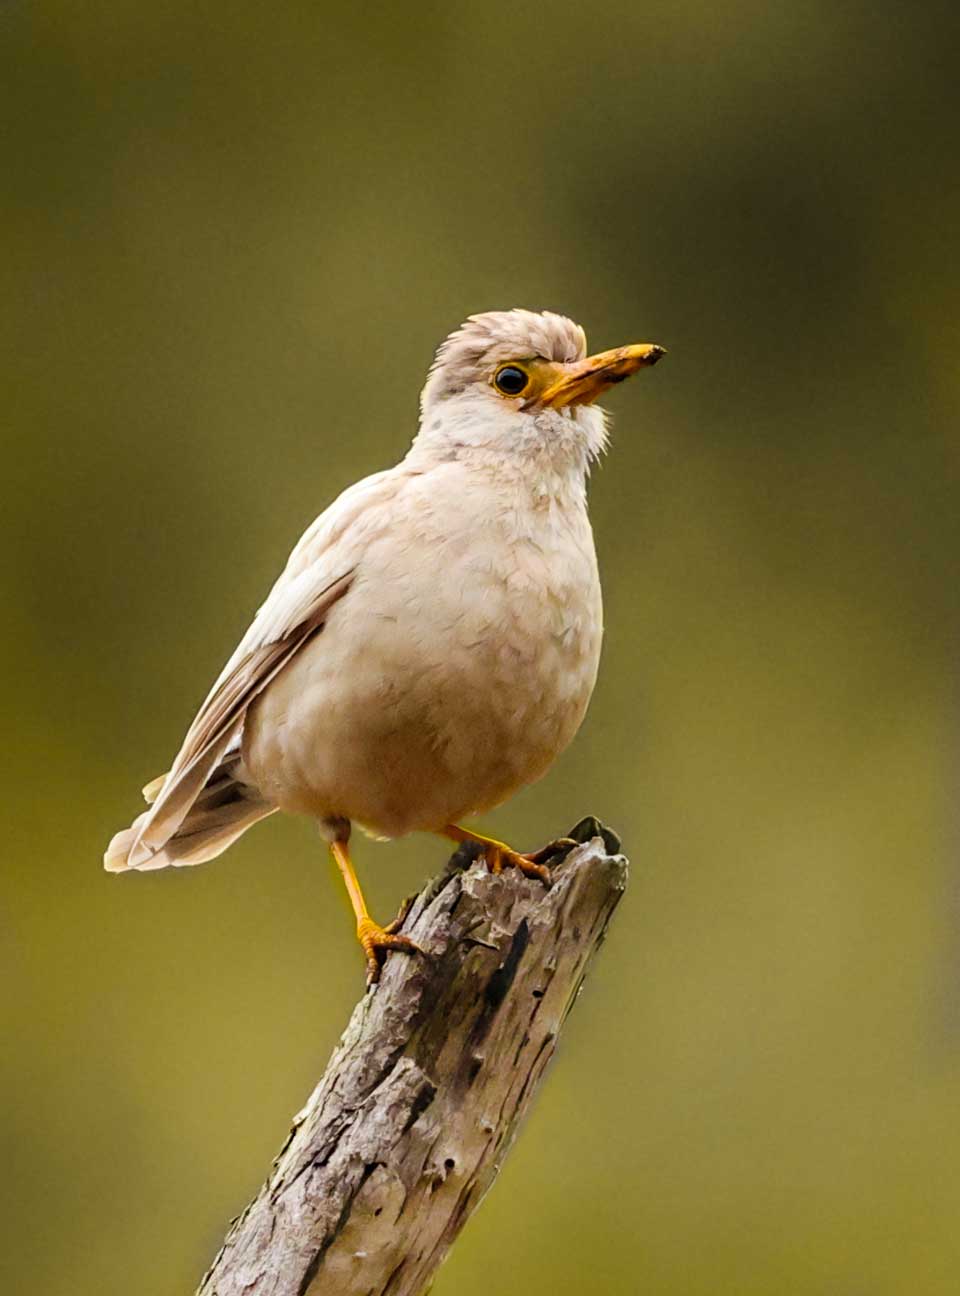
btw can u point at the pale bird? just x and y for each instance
(433, 641)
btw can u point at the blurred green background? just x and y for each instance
(232, 236)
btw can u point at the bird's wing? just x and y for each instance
(318, 574)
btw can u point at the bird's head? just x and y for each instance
(520, 383)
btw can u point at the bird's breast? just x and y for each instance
(454, 671)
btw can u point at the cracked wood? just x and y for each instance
(422, 1098)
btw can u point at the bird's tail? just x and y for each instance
(223, 811)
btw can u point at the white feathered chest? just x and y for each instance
(455, 669)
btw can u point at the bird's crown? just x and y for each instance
(468, 354)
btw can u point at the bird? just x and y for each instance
(433, 641)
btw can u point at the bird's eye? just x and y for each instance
(510, 380)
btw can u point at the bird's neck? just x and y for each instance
(537, 477)
(542, 459)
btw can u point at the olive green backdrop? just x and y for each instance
(231, 237)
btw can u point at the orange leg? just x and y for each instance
(375, 940)
(500, 856)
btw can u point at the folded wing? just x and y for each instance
(317, 576)
(272, 641)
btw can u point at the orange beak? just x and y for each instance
(583, 381)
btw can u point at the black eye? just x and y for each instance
(510, 380)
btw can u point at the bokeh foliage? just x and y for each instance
(232, 235)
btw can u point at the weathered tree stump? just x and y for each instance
(423, 1096)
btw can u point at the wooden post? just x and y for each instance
(422, 1098)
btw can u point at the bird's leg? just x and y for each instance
(500, 856)
(375, 940)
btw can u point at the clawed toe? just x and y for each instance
(558, 849)
(502, 857)
(401, 917)
(378, 941)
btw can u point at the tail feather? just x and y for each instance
(176, 797)
(154, 788)
(222, 812)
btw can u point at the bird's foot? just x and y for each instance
(378, 941)
(499, 855)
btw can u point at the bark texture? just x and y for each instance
(421, 1100)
